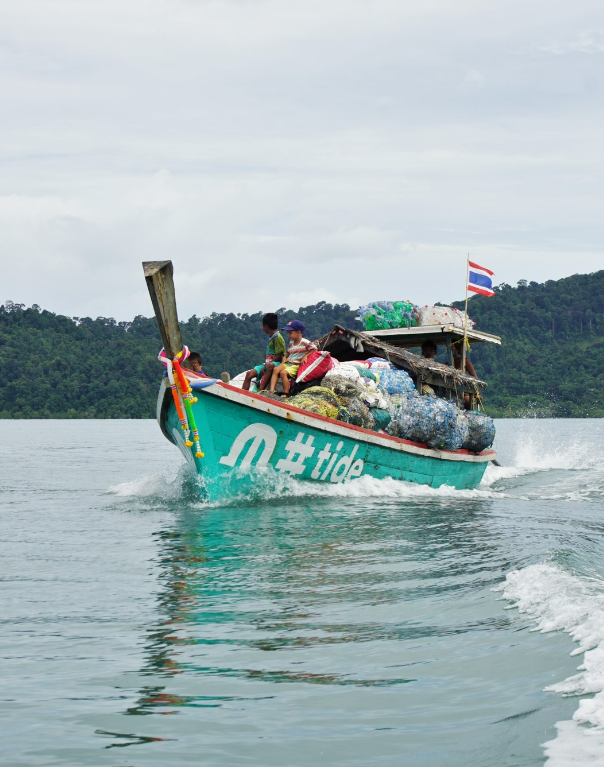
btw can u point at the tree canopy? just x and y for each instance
(551, 362)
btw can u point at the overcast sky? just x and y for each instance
(282, 152)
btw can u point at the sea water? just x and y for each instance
(376, 623)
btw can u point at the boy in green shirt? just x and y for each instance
(275, 350)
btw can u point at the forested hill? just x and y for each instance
(551, 362)
(76, 367)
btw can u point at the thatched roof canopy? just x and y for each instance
(345, 345)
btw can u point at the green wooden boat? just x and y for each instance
(245, 435)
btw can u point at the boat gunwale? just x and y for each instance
(221, 389)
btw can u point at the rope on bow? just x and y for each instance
(182, 395)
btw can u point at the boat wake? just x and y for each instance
(536, 469)
(523, 479)
(557, 600)
(162, 489)
(266, 485)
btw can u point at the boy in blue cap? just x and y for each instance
(298, 351)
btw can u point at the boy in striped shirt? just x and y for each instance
(297, 352)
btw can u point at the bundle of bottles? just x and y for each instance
(384, 315)
(374, 395)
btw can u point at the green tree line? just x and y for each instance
(551, 362)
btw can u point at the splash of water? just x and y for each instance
(556, 600)
(183, 485)
(267, 485)
(531, 455)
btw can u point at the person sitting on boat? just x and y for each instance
(275, 351)
(193, 362)
(429, 349)
(297, 352)
(196, 363)
(457, 362)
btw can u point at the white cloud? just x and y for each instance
(367, 147)
(306, 297)
(155, 193)
(589, 41)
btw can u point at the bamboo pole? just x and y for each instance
(465, 331)
(160, 282)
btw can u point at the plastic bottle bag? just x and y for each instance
(481, 432)
(444, 315)
(395, 382)
(341, 385)
(356, 413)
(381, 417)
(379, 363)
(436, 422)
(450, 429)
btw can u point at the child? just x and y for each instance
(275, 350)
(195, 363)
(298, 351)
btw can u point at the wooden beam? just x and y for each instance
(159, 279)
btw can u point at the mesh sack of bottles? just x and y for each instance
(395, 382)
(481, 432)
(381, 417)
(433, 421)
(341, 385)
(381, 315)
(444, 315)
(436, 422)
(352, 409)
(323, 400)
(320, 400)
(357, 413)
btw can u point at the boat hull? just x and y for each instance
(243, 434)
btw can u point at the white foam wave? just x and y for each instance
(265, 484)
(365, 487)
(157, 486)
(143, 486)
(496, 473)
(559, 601)
(536, 453)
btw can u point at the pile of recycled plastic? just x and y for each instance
(481, 432)
(395, 382)
(381, 315)
(436, 422)
(443, 315)
(368, 387)
(357, 413)
(384, 315)
(374, 395)
(320, 400)
(355, 397)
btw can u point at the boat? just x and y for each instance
(243, 435)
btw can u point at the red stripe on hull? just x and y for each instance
(319, 417)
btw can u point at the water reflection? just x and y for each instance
(245, 586)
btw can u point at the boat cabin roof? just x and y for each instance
(345, 345)
(406, 338)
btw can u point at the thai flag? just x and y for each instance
(479, 280)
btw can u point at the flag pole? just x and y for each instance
(465, 329)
